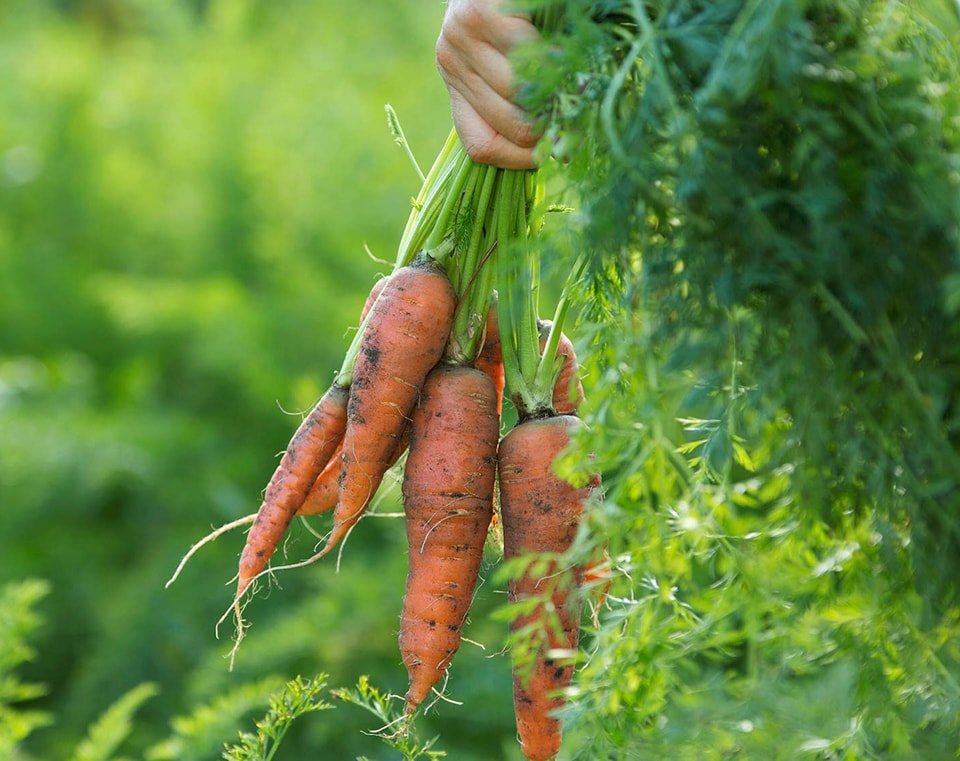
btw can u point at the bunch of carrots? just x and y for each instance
(425, 374)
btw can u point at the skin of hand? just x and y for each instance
(472, 56)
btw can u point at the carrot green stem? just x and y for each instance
(519, 338)
(393, 122)
(550, 363)
(461, 229)
(472, 255)
(528, 333)
(452, 201)
(473, 280)
(423, 215)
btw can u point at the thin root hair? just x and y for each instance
(206, 540)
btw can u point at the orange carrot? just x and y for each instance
(405, 337)
(322, 497)
(309, 452)
(541, 513)
(567, 390)
(372, 297)
(490, 359)
(448, 500)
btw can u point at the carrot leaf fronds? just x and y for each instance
(397, 730)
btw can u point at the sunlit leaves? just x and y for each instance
(769, 194)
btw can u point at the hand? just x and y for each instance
(472, 55)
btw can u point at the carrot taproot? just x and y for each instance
(490, 359)
(448, 501)
(404, 338)
(567, 398)
(310, 451)
(540, 514)
(322, 497)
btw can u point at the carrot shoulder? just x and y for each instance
(448, 501)
(490, 359)
(567, 390)
(541, 514)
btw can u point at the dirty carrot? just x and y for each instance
(541, 514)
(567, 389)
(322, 497)
(448, 501)
(309, 452)
(405, 336)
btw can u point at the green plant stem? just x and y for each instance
(464, 167)
(393, 122)
(423, 215)
(474, 273)
(550, 363)
(519, 337)
(468, 217)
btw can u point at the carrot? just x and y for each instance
(567, 398)
(405, 337)
(448, 501)
(322, 497)
(490, 359)
(567, 390)
(541, 513)
(309, 452)
(373, 296)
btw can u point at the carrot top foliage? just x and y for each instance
(769, 192)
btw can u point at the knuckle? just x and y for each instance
(480, 151)
(471, 17)
(445, 57)
(525, 135)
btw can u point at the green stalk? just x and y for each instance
(440, 169)
(466, 213)
(531, 374)
(518, 324)
(433, 248)
(484, 295)
(474, 275)
(528, 333)
(434, 197)
(471, 257)
(393, 122)
(550, 363)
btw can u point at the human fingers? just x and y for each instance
(482, 142)
(495, 109)
(488, 20)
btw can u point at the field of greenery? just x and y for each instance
(188, 193)
(195, 196)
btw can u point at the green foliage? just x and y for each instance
(113, 726)
(200, 735)
(769, 191)
(298, 697)
(18, 621)
(397, 730)
(186, 193)
(768, 194)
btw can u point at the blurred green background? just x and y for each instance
(187, 188)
